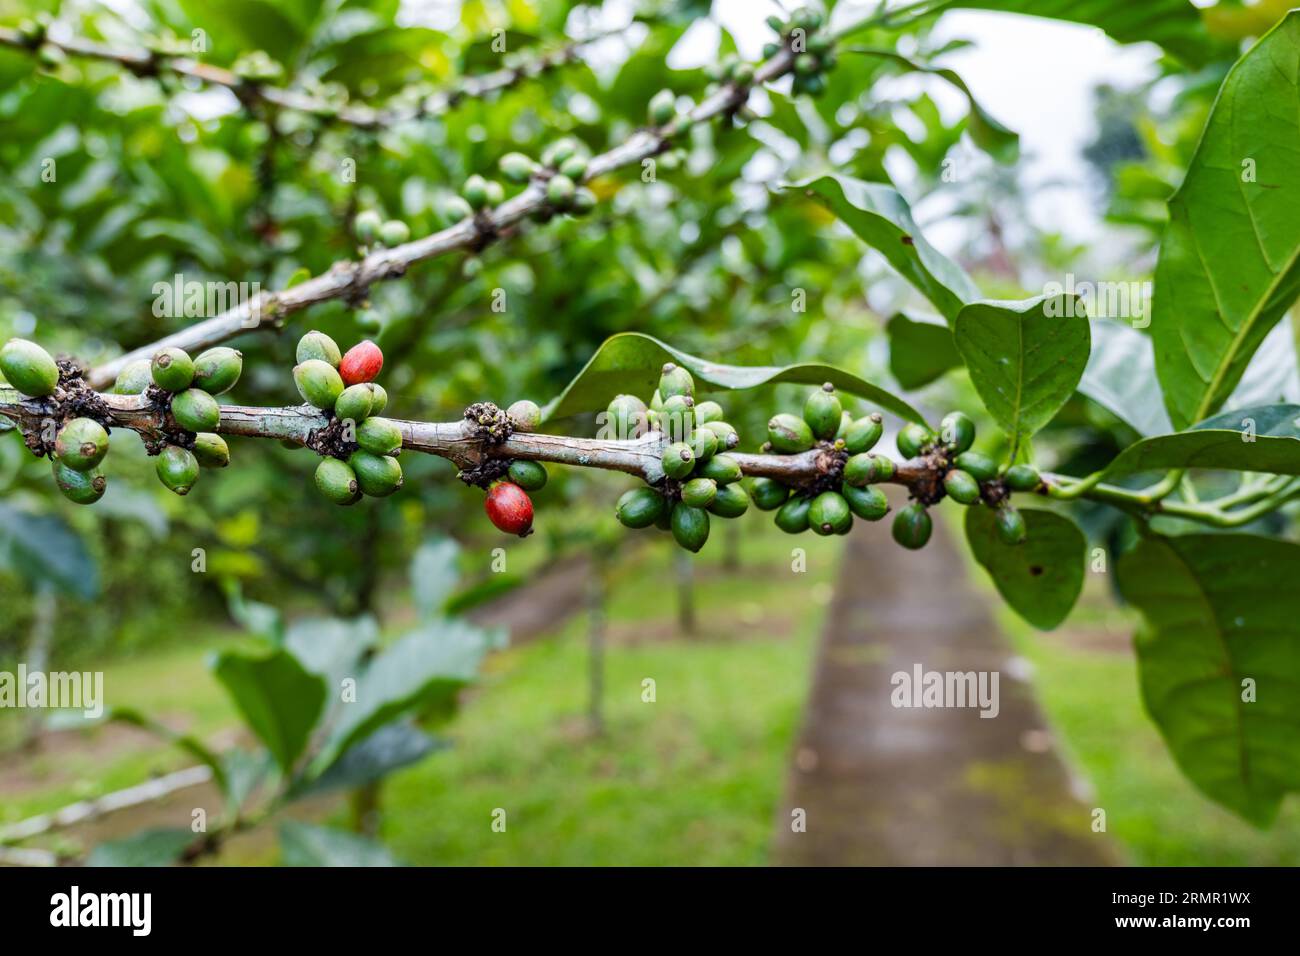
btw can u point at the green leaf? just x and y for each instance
(1220, 609)
(278, 698)
(631, 362)
(1265, 438)
(302, 844)
(434, 575)
(389, 748)
(423, 669)
(1121, 377)
(1041, 578)
(920, 350)
(1175, 25)
(987, 133)
(1229, 263)
(45, 548)
(1025, 358)
(880, 217)
(158, 847)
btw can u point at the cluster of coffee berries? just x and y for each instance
(359, 448)
(370, 228)
(508, 505)
(730, 69)
(814, 51)
(826, 506)
(700, 479)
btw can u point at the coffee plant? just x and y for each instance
(1199, 483)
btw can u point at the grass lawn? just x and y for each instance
(1086, 678)
(693, 778)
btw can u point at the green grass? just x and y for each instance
(1092, 701)
(691, 779)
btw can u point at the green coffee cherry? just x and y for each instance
(768, 494)
(177, 468)
(134, 379)
(656, 401)
(690, 526)
(558, 152)
(742, 74)
(627, 415)
(217, 370)
(789, 434)
(29, 368)
(805, 64)
(822, 411)
(394, 233)
(678, 460)
(584, 201)
(211, 450)
(454, 209)
(377, 475)
(980, 467)
(730, 502)
(337, 481)
(792, 517)
(912, 526)
(525, 414)
(868, 503)
(575, 167)
(1011, 525)
(863, 434)
(517, 167)
(82, 487)
(379, 436)
(318, 345)
(195, 410)
(560, 190)
(675, 380)
(913, 438)
(379, 398)
(771, 49)
(957, 432)
(172, 369)
(662, 108)
(318, 383)
(829, 514)
(707, 411)
(475, 192)
(819, 44)
(528, 475)
(367, 225)
(868, 468)
(721, 468)
(640, 507)
(81, 444)
(355, 403)
(704, 443)
(699, 492)
(961, 487)
(727, 436)
(775, 23)
(1022, 478)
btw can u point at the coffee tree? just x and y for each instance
(1202, 452)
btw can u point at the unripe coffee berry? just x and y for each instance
(29, 368)
(172, 369)
(81, 444)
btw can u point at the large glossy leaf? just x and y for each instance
(389, 748)
(158, 847)
(631, 362)
(279, 699)
(1265, 438)
(1229, 263)
(1222, 618)
(880, 217)
(424, 669)
(45, 548)
(1121, 377)
(987, 133)
(434, 575)
(304, 844)
(1025, 358)
(920, 350)
(1041, 578)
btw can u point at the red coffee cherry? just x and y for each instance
(361, 363)
(509, 508)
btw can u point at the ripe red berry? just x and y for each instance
(509, 508)
(361, 363)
